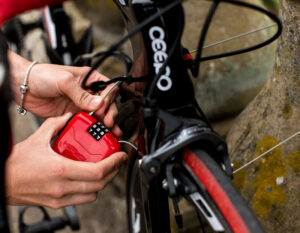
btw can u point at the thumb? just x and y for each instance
(53, 125)
(83, 99)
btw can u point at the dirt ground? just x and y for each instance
(106, 214)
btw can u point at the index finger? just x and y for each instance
(85, 171)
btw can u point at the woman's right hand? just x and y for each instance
(36, 175)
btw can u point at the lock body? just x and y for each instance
(84, 138)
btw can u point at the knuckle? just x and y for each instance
(101, 186)
(59, 170)
(66, 76)
(93, 197)
(48, 122)
(98, 174)
(58, 192)
(65, 80)
(115, 165)
(84, 187)
(83, 97)
(86, 69)
(54, 204)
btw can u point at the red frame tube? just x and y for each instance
(11, 8)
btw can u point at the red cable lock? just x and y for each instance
(84, 138)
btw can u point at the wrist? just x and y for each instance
(18, 67)
(24, 89)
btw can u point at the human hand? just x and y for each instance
(36, 175)
(55, 90)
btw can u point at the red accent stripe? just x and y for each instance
(11, 8)
(46, 24)
(223, 202)
(187, 57)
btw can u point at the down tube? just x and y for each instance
(151, 47)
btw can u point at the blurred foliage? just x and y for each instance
(272, 5)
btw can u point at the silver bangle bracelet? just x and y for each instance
(24, 89)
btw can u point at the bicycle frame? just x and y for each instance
(153, 42)
(169, 110)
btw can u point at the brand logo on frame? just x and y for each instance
(159, 47)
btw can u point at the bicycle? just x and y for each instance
(179, 155)
(183, 157)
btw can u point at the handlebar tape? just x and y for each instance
(10, 8)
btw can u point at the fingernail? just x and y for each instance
(95, 103)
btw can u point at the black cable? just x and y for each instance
(101, 85)
(126, 59)
(212, 10)
(198, 58)
(131, 33)
(201, 222)
(251, 48)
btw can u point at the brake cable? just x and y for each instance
(235, 37)
(266, 152)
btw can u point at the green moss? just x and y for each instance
(278, 70)
(240, 179)
(294, 161)
(279, 216)
(266, 198)
(267, 193)
(273, 5)
(287, 111)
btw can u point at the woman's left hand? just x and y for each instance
(55, 90)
